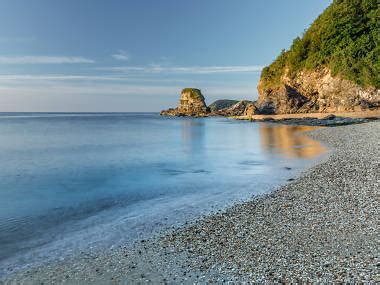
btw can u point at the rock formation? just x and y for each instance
(316, 91)
(222, 104)
(191, 103)
(250, 110)
(237, 109)
(333, 67)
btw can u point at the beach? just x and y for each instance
(320, 227)
(317, 119)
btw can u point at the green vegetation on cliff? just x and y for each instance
(194, 93)
(345, 38)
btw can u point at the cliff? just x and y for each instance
(334, 66)
(316, 91)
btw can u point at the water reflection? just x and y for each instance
(289, 141)
(193, 134)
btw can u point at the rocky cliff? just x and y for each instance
(191, 103)
(333, 67)
(315, 91)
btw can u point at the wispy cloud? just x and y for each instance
(89, 84)
(119, 89)
(122, 55)
(16, 40)
(34, 78)
(184, 69)
(64, 89)
(70, 92)
(43, 59)
(59, 77)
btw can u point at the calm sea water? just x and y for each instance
(71, 182)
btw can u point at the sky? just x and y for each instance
(137, 55)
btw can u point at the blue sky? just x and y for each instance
(120, 55)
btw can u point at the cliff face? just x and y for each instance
(315, 91)
(191, 103)
(334, 66)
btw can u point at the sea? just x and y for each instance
(81, 182)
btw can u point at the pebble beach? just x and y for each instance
(320, 227)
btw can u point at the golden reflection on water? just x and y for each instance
(289, 141)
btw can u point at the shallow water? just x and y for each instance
(72, 182)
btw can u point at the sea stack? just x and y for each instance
(192, 103)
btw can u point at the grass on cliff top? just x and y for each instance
(194, 93)
(345, 38)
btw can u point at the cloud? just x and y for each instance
(43, 59)
(35, 78)
(59, 77)
(17, 40)
(87, 89)
(70, 92)
(71, 84)
(121, 90)
(184, 69)
(122, 55)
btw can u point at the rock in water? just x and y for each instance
(191, 103)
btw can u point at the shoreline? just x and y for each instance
(249, 240)
(352, 115)
(117, 226)
(331, 119)
(328, 119)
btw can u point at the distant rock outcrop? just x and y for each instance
(191, 103)
(237, 109)
(221, 104)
